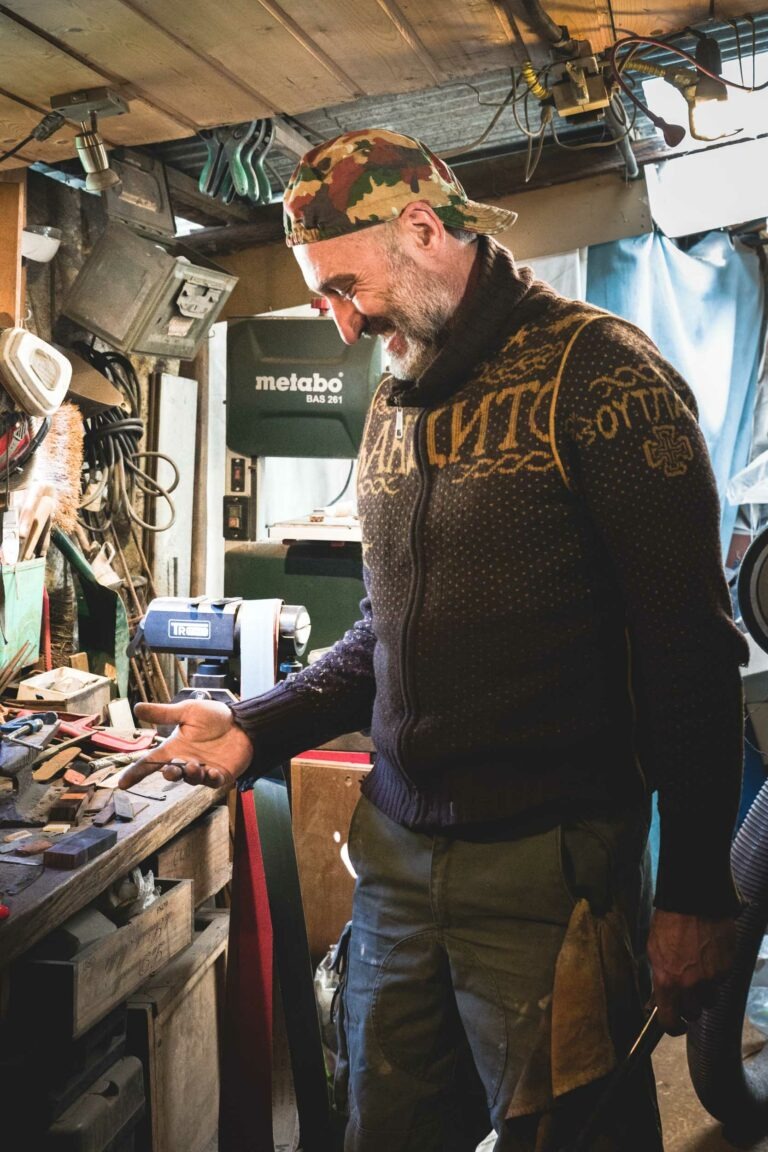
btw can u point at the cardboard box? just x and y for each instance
(69, 690)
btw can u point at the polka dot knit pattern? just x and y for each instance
(548, 625)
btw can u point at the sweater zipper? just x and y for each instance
(414, 591)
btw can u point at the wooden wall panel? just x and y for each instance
(123, 43)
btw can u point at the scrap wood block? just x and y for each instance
(55, 764)
(79, 848)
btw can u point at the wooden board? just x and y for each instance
(173, 1027)
(176, 430)
(13, 205)
(71, 995)
(388, 64)
(121, 42)
(464, 38)
(262, 51)
(33, 69)
(200, 853)
(323, 798)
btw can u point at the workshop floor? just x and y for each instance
(687, 1126)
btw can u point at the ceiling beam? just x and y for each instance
(483, 179)
(185, 194)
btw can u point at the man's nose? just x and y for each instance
(350, 322)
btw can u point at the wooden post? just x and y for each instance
(13, 208)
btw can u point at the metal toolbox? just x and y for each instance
(141, 296)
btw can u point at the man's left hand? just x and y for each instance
(689, 957)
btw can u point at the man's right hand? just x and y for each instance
(209, 747)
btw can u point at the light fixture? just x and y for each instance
(93, 157)
(85, 106)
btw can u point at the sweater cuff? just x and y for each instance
(694, 872)
(278, 725)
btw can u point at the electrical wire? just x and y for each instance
(111, 471)
(47, 126)
(482, 138)
(653, 43)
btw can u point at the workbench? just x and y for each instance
(53, 896)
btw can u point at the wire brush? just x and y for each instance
(111, 470)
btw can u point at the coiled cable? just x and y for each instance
(112, 472)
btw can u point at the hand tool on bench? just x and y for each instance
(27, 725)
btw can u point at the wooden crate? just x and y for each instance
(323, 797)
(71, 995)
(173, 1027)
(201, 853)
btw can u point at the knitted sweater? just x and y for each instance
(547, 627)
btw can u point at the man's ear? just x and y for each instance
(421, 226)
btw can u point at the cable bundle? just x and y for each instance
(111, 469)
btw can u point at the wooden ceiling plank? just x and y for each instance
(464, 39)
(256, 47)
(17, 121)
(592, 21)
(360, 36)
(148, 117)
(217, 65)
(281, 16)
(413, 40)
(118, 39)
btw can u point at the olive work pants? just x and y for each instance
(450, 968)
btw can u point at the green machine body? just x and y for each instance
(295, 389)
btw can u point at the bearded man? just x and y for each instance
(546, 640)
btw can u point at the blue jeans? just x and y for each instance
(450, 968)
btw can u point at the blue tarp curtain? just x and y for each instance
(703, 309)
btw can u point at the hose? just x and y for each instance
(733, 1092)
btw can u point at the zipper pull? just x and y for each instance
(399, 422)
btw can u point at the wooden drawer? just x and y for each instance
(68, 996)
(173, 1027)
(200, 853)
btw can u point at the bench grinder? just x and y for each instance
(239, 647)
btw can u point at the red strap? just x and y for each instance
(245, 1109)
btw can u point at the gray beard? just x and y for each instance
(416, 358)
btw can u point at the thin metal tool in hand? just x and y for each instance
(642, 1048)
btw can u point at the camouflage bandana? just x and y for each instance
(368, 177)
